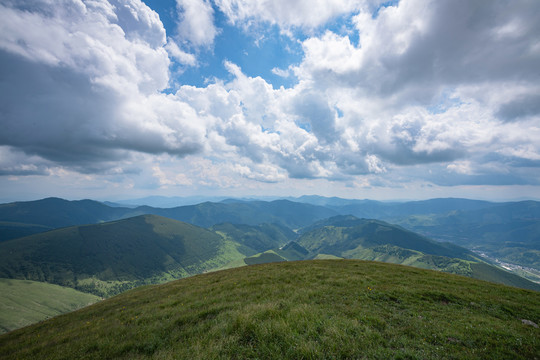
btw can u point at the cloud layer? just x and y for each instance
(84, 84)
(442, 92)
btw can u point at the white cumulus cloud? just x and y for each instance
(196, 22)
(84, 84)
(284, 13)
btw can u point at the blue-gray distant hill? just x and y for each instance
(372, 209)
(25, 218)
(55, 212)
(291, 214)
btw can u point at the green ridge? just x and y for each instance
(365, 239)
(109, 258)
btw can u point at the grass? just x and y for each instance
(24, 302)
(323, 309)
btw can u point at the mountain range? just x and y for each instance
(36, 216)
(104, 250)
(506, 232)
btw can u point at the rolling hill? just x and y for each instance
(352, 238)
(108, 258)
(506, 232)
(347, 237)
(290, 252)
(509, 232)
(343, 235)
(112, 257)
(296, 310)
(31, 217)
(256, 237)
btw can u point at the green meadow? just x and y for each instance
(321, 309)
(24, 302)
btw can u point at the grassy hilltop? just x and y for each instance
(296, 310)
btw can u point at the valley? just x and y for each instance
(526, 272)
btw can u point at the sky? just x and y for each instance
(409, 99)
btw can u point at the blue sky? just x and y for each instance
(410, 99)
(257, 53)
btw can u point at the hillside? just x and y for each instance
(353, 238)
(108, 258)
(509, 232)
(344, 234)
(290, 252)
(24, 302)
(257, 237)
(296, 310)
(347, 237)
